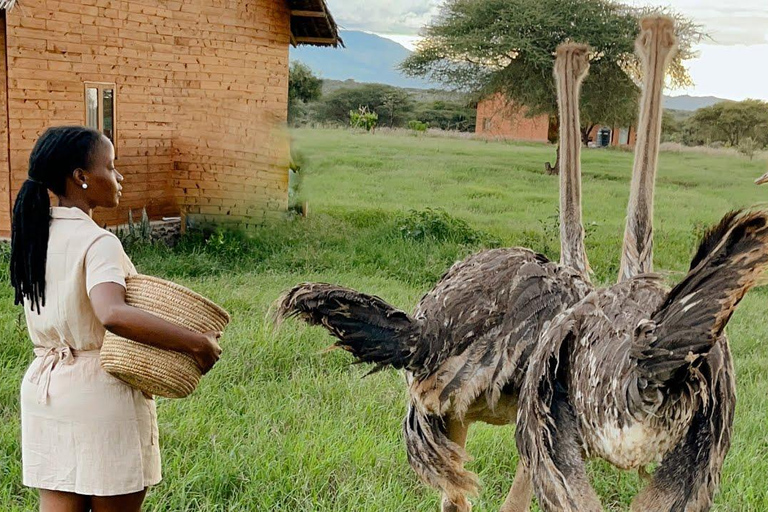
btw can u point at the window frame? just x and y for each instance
(100, 88)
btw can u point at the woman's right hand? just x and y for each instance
(207, 350)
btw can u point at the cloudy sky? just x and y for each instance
(732, 64)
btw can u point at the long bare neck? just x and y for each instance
(655, 46)
(571, 65)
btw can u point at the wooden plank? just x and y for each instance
(308, 14)
(316, 40)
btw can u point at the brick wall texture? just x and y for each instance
(499, 119)
(201, 98)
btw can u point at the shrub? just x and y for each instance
(748, 147)
(363, 118)
(437, 224)
(418, 126)
(135, 235)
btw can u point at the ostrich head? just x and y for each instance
(657, 38)
(572, 58)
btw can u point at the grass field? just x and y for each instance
(278, 425)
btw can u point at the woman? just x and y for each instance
(89, 441)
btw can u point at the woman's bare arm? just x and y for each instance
(108, 302)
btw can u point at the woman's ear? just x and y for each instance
(79, 177)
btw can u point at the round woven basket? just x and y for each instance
(152, 370)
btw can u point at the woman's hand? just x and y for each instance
(206, 352)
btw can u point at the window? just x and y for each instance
(100, 108)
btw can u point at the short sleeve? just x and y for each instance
(104, 262)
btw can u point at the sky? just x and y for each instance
(732, 64)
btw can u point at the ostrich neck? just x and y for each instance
(572, 250)
(637, 251)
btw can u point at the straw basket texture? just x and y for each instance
(150, 369)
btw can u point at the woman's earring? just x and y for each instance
(85, 185)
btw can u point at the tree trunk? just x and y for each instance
(585, 131)
(553, 170)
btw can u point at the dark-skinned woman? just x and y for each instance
(89, 441)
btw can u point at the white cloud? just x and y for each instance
(740, 22)
(385, 16)
(735, 72)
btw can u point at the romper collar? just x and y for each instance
(62, 212)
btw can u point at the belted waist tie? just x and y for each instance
(51, 357)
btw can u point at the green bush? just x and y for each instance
(363, 118)
(135, 234)
(437, 224)
(418, 126)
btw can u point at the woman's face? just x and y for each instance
(103, 180)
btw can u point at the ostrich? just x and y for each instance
(465, 348)
(637, 374)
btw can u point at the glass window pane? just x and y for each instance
(92, 108)
(108, 105)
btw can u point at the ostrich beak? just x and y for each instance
(762, 179)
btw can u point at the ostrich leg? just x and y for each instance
(560, 478)
(688, 476)
(457, 432)
(521, 493)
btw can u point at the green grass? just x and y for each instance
(279, 425)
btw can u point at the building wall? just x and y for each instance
(497, 119)
(201, 88)
(615, 135)
(5, 207)
(231, 149)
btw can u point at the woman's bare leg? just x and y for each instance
(59, 501)
(124, 503)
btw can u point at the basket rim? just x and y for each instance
(179, 288)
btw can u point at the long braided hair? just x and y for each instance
(56, 155)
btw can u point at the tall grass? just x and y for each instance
(280, 425)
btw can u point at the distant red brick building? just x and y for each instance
(497, 118)
(193, 94)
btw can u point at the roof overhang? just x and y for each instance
(312, 24)
(6, 4)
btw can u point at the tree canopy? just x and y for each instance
(507, 46)
(392, 104)
(730, 122)
(303, 87)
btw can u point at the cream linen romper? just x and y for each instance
(82, 430)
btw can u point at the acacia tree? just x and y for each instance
(485, 47)
(731, 122)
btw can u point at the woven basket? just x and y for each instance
(150, 369)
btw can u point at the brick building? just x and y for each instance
(497, 118)
(193, 93)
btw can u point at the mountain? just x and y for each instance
(690, 103)
(366, 58)
(371, 58)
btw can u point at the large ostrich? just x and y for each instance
(637, 374)
(465, 348)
